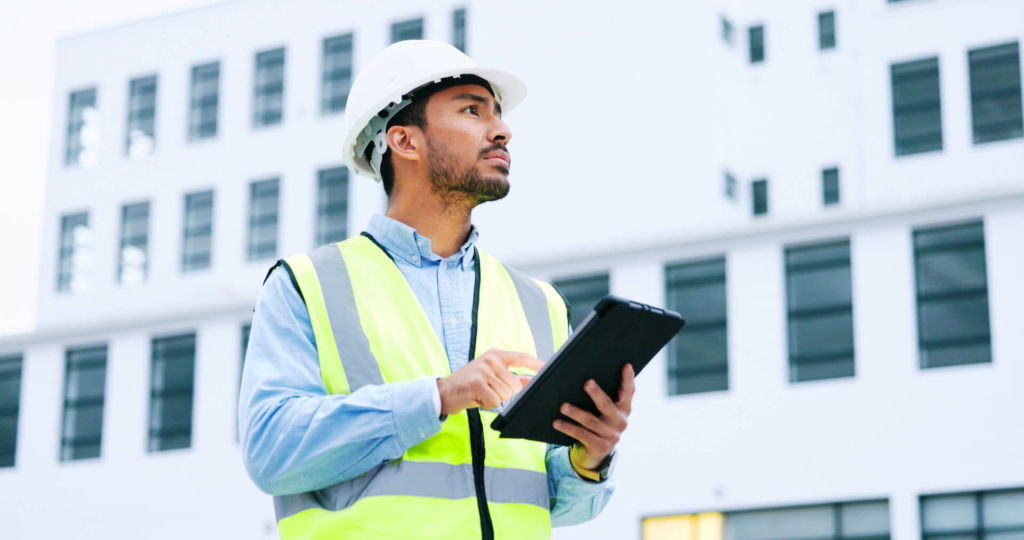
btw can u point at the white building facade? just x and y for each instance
(830, 192)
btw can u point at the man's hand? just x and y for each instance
(486, 381)
(598, 435)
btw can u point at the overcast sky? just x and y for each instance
(28, 36)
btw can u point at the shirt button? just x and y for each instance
(419, 242)
(451, 321)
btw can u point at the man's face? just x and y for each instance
(466, 144)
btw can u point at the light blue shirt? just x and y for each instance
(296, 437)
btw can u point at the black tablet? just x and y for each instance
(617, 331)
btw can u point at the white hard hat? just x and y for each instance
(383, 87)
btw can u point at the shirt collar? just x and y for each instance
(404, 242)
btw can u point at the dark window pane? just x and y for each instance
(83, 129)
(74, 260)
(698, 356)
(917, 110)
(996, 93)
(583, 294)
(337, 73)
(830, 186)
(170, 413)
(10, 397)
(332, 207)
(827, 30)
(952, 295)
(459, 29)
(84, 389)
(756, 44)
(404, 30)
(197, 236)
(141, 139)
(997, 514)
(205, 101)
(268, 102)
(819, 299)
(133, 258)
(759, 190)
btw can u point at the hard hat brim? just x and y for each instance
(509, 90)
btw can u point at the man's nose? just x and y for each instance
(500, 132)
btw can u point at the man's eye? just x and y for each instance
(471, 108)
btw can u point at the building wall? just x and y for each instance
(633, 118)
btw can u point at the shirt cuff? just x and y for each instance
(415, 407)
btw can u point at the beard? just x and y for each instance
(456, 183)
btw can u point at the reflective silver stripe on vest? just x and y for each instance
(535, 304)
(359, 363)
(422, 479)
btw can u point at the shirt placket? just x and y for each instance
(453, 316)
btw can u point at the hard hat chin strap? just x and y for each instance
(376, 130)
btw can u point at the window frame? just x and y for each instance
(73, 365)
(330, 73)
(265, 88)
(324, 210)
(904, 71)
(137, 115)
(674, 285)
(258, 190)
(9, 459)
(156, 437)
(198, 104)
(124, 241)
(196, 202)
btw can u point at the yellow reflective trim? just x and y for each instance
(387, 518)
(330, 363)
(401, 337)
(559, 317)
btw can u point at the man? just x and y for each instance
(376, 365)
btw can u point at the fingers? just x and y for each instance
(594, 444)
(603, 402)
(590, 422)
(487, 398)
(517, 359)
(627, 390)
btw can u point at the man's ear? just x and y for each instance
(405, 142)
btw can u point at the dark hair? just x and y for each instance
(414, 114)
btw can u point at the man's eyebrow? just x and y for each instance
(479, 99)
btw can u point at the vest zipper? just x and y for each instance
(476, 426)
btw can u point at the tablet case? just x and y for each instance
(617, 331)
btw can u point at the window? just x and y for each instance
(245, 345)
(263, 219)
(759, 190)
(726, 30)
(952, 295)
(82, 147)
(842, 521)
(170, 405)
(132, 262)
(337, 74)
(820, 311)
(830, 186)
(141, 139)
(698, 358)
(756, 44)
(268, 102)
(198, 233)
(202, 120)
(84, 383)
(459, 29)
(582, 293)
(75, 257)
(973, 516)
(10, 398)
(332, 207)
(827, 30)
(996, 94)
(401, 31)
(730, 186)
(246, 329)
(916, 107)
(867, 520)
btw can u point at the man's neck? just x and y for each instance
(447, 225)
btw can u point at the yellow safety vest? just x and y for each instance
(465, 481)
